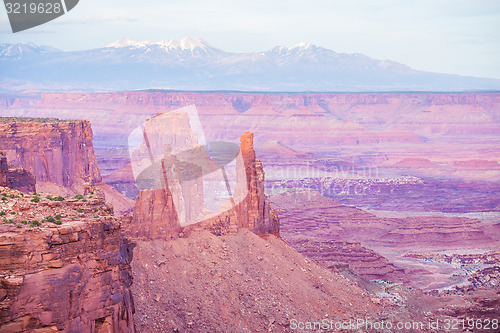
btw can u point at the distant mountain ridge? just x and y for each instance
(193, 64)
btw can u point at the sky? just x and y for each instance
(444, 36)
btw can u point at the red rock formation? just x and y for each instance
(64, 267)
(359, 259)
(368, 129)
(437, 232)
(373, 246)
(309, 214)
(59, 154)
(155, 217)
(254, 212)
(329, 233)
(472, 111)
(56, 152)
(15, 177)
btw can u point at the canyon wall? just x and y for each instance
(427, 135)
(60, 156)
(357, 118)
(65, 266)
(375, 247)
(57, 152)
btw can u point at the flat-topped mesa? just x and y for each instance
(155, 216)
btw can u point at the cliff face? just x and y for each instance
(60, 156)
(155, 216)
(64, 266)
(57, 152)
(15, 177)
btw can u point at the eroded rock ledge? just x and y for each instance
(63, 266)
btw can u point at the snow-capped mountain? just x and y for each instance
(187, 43)
(193, 64)
(181, 49)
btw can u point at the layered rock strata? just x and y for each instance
(338, 255)
(56, 152)
(64, 266)
(60, 156)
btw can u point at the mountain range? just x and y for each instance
(193, 64)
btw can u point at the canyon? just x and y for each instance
(70, 265)
(377, 192)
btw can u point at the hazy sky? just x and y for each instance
(447, 36)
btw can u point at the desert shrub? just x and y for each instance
(13, 213)
(2, 213)
(24, 222)
(79, 196)
(58, 222)
(35, 199)
(79, 210)
(58, 217)
(50, 219)
(96, 216)
(49, 197)
(12, 196)
(59, 198)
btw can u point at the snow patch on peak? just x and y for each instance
(187, 43)
(126, 42)
(302, 45)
